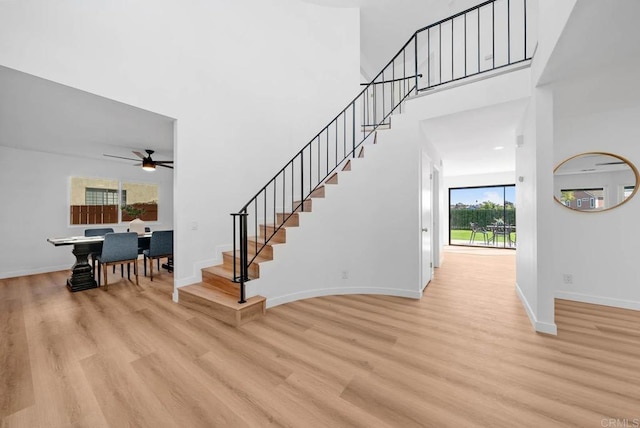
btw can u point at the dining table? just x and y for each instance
(502, 229)
(82, 277)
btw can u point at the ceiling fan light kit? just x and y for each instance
(148, 165)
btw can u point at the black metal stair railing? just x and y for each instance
(434, 55)
(486, 37)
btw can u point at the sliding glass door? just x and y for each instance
(483, 216)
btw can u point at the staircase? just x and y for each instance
(262, 223)
(217, 294)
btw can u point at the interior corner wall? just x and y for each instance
(249, 83)
(34, 188)
(599, 250)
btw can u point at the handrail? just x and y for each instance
(265, 214)
(389, 81)
(505, 21)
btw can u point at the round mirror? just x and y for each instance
(594, 181)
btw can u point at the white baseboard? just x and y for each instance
(307, 294)
(598, 300)
(35, 271)
(538, 326)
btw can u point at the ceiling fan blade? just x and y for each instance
(163, 161)
(119, 157)
(610, 163)
(164, 166)
(140, 155)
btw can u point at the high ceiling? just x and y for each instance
(466, 141)
(385, 25)
(74, 122)
(37, 114)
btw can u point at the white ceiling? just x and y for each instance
(37, 114)
(598, 34)
(467, 141)
(41, 115)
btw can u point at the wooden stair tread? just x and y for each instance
(219, 297)
(293, 219)
(318, 192)
(221, 271)
(266, 250)
(274, 233)
(221, 305)
(333, 179)
(260, 258)
(286, 214)
(260, 241)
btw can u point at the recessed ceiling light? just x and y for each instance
(498, 148)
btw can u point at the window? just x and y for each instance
(139, 198)
(483, 216)
(583, 199)
(100, 196)
(104, 201)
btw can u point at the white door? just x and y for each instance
(425, 223)
(435, 217)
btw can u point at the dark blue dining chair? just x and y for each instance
(161, 245)
(95, 249)
(118, 249)
(143, 244)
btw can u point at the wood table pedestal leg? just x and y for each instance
(81, 272)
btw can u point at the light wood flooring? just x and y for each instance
(463, 356)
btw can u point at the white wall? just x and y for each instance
(572, 114)
(249, 83)
(600, 250)
(34, 188)
(489, 179)
(534, 199)
(552, 18)
(505, 88)
(368, 227)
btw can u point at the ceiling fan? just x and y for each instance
(148, 164)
